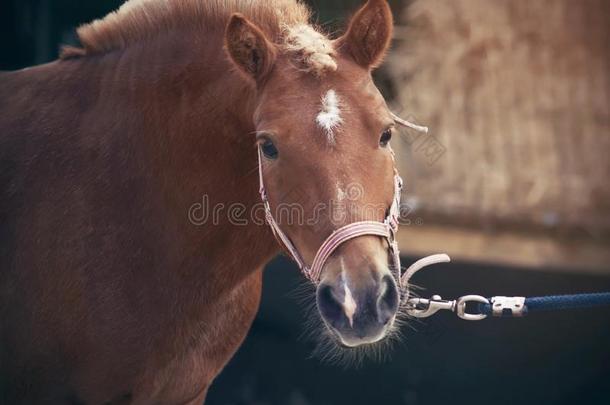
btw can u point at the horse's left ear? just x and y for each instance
(249, 48)
(369, 34)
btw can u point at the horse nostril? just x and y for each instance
(329, 306)
(387, 302)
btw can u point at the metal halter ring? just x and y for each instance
(460, 307)
(423, 308)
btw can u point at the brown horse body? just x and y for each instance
(108, 292)
(101, 159)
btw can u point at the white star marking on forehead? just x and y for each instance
(329, 117)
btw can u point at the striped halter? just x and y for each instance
(386, 229)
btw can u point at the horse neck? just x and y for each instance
(197, 130)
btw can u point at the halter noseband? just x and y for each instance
(386, 229)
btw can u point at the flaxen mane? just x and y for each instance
(286, 23)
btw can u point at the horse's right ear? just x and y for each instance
(249, 48)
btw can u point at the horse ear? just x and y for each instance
(249, 48)
(369, 34)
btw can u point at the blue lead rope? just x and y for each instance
(555, 302)
(477, 307)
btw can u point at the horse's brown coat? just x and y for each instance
(101, 159)
(108, 293)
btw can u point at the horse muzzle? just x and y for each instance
(362, 313)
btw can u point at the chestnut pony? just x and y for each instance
(109, 292)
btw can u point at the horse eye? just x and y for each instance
(269, 149)
(385, 137)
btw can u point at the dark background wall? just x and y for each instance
(32, 30)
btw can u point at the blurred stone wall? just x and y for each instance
(517, 97)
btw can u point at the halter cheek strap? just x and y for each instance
(386, 229)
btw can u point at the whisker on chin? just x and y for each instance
(327, 347)
(303, 292)
(328, 350)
